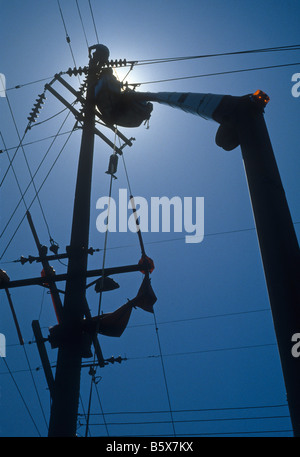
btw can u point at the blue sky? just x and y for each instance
(214, 321)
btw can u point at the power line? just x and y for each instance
(295, 47)
(190, 421)
(193, 410)
(204, 351)
(83, 28)
(93, 18)
(27, 163)
(68, 39)
(32, 177)
(256, 432)
(21, 395)
(42, 184)
(202, 317)
(216, 74)
(37, 141)
(178, 59)
(164, 374)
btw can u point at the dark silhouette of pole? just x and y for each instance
(63, 419)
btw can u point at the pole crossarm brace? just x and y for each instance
(80, 117)
(96, 112)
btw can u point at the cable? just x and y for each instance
(21, 396)
(38, 168)
(68, 39)
(35, 387)
(230, 408)
(11, 160)
(216, 74)
(295, 47)
(50, 118)
(19, 86)
(27, 164)
(254, 346)
(51, 168)
(203, 317)
(102, 412)
(187, 421)
(38, 141)
(215, 434)
(92, 14)
(173, 59)
(15, 175)
(86, 40)
(164, 374)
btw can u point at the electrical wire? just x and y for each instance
(68, 39)
(178, 59)
(27, 164)
(14, 173)
(164, 374)
(93, 18)
(155, 322)
(83, 28)
(295, 47)
(35, 386)
(191, 421)
(38, 141)
(195, 410)
(205, 351)
(32, 177)
(216, 74)
(42, 184)
(21, 395)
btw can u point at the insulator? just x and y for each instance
(54, 247)
(113, 165)
(75, 71)
(23, 260)
(31, 259)
(111, 360)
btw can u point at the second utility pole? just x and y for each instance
(63, 418)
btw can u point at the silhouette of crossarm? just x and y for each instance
(62, 277)
(80, 117)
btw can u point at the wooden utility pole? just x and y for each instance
(63, 419)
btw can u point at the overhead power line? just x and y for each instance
(184, 58)
(268, 67)
(295, 47)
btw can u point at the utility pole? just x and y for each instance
(63, 419)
